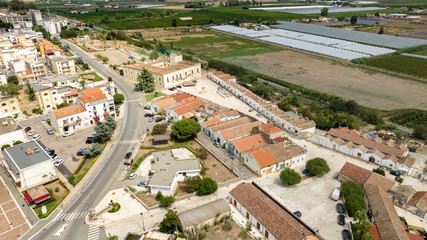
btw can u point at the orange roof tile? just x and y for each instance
(68, 111)
(263, 156)
(188, 107)
(374, 232)
(165, 102)
(71, 93)
(248, 143)
(239, 131)
(92, 94)
(188, 100)
(230, 123)
(211, 122)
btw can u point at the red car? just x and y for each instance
(27, 129)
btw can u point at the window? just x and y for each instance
(45, 94)
(258, 225)
(266, 234)
(14, 108)
(5, 110)
(247, 215)
(3, 104)
(235, 203)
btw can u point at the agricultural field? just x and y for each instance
(360, 13)
(402, 64)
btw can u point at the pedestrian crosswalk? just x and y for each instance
(71, 216)
(93, 233)
(127, 141)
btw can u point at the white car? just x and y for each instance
(140, 104)
(56, 158)
(132, 176)
(37, 137)
(67, 133)
(31, 133)
(58, 163)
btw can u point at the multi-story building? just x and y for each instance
(3, 79)
(11, 131)
(36, 68)
(72, 80)
(62, 65)
(53, 25)
(9, 107)
(98, 104)
(69, 118)
(166, 74)
(44, 45)
(22, 24)
(18, 52)
(49, 98)
(36, 16)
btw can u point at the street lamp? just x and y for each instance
(142, 217)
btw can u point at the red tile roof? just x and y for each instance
(211, 122)
(419, 200)
(381, 181)
(414, 237)
(364, 176)
(263, 157)
(279, 221)
(68, 111)
(248, 143)
(239, 131)
(188, 100)
(92, 94)
(231, 123)
(374, 232)
(188, 107)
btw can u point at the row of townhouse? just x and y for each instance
(369, 148)
(290, 120)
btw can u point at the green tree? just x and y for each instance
(110, 79)
(354, 203)
(262, 89)
(30, 91)
(207, 186)
(290, 176)
(174, 22)
(381, 31)
(170, 222)
(159, 196)
(324, 12)
(349, 187)
(114, 237)
(63, 105)
(93, 150)
(192, 184)
(118, 98)
(17, 143)
(103, 132)
(110, 122)
(203, 153)
(379, 171)
(420, 132)
(10, 89)
(5, 146)
(353, 20)
(317, 166)
(295, 101)
(167, 201)
(13, 79)
(284, 105)
(154, 55)
(159, 129)
(185, 129)
(145, 81)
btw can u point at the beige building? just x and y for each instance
(62, 65)
(38, 69)
(60, 81)
(49, 98)
(9, 107)
(69, 118)
(167, 73)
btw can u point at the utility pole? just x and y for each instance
(143, 225)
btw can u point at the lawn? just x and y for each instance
(422, 52)
(69, 54)
(92, 77)
(402, 64)
(57, 198)
(218, 45)
(154, 95)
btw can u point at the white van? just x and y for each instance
(336, 194)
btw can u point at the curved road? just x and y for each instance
(109, 172)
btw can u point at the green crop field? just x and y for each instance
(135, 19)
(422, 52)
(403, 64)
(361, 13)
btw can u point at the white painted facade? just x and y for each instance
(99, 108)
(179, 177)
(11, 137)
(37, 174)
(72, 122)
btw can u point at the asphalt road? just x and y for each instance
(110, 170)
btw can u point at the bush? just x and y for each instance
(203, 153)
(351, 187)
(192, 184)
(227, 226)
(243, 235)
(290, 176)
(159, 129)
(37, 111)
(57, 189)
(317, 166)
(354, 203)
(17, 142)
(71, 179)
(207, 186)
(5, 146)
(379, 171)
(399, 179)
(185, 129)
(167, 201)
(118, 98)
(159, 196)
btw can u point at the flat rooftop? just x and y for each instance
(25, 155)
(8, 124)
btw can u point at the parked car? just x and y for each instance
(45, 118)
(216, 144)
(340, 208)
(49, 131)
(31, 133)
(298, 213)
(346, 235)
(81, 151)
(140, 104)
(27, 129)
(336, 194)
(56, 158)
(67, 133)
(172, 89)
(90, 140)
(166, 123)
(146, 115)
(341, 220)
(251, 110)
(179, 86)
(143, 184)
(37, 137)
(58, 163)
(132, 176)
(304, 171)
(258, 114)
(151, 119)
(127, 155)
(159, 119)
(395, 173)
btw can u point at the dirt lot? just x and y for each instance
(53, 186)
(148, 199)
(369, 89)
(116, 57)
(217, 232)
(12, 222)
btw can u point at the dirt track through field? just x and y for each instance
(369, 89)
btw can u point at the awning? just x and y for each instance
(188, 115)
(41, 199)
(278, 140)
(28, 198)
(96, 119)
(106, 115)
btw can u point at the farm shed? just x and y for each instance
(202, 215)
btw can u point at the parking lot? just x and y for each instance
(312, 198)
(66, 148)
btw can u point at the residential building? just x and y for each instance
(37, 195)
(267, 215)
(206, 214)
(169, 167)
(9, 17)
(50, 98)
(213, 130)
(50, 53)
(363, 176)
(230, 134)
(44, 45)
(270, 132)
(18, 52)
(36, 16)
(383, 215)
(185, 110)
(368, 148)
(11, 131)
(98, 104)
(3, 79)
(237, 147)
(36, 68)
(53, 25)
(69, 118)
(9, 107)
(62, 65)
(166, 73)
(418, 204)
(401, 194)
(72, 80)
(22, 25)
(159, 103)
(272, 158)
(28, 164)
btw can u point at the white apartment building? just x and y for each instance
(98, 104)
(69, 118)
(62, 65)
(37, 68)
(11, 131)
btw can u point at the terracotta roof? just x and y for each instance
(352, 131)
(383, 182)
(72, 92)
(366, 142)
(250, 142)
(179, 96)
(278, 140)
(263, 157)
(407, 161)
(185, 108)
(355, 173)
(92, 94)
(414, 237)
(211, 122)
(37, 192)
(158, 70)
(278, 220)
(165, 102)
(231, 123)
(239, 131)
(384, 214)
(284, 152)
(188, 100)
(270, 128)
(374, 232)
(68, 111)
(419, 200)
